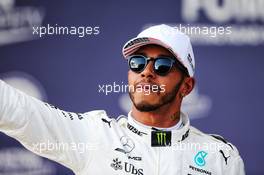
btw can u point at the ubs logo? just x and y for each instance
(127, 167)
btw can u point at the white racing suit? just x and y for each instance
(92, 143)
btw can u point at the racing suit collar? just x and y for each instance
(146, 132)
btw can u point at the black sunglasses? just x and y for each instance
(162, 64)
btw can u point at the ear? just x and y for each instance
(187, 86)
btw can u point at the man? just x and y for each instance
(155, 138)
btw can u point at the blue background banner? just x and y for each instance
(67, 70)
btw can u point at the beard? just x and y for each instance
(166, 99)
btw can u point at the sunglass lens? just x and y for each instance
(162, 66)
(137, 63)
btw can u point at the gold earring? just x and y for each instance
(182, 95)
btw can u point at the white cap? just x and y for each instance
(168, 37)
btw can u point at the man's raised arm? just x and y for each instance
(45, 129)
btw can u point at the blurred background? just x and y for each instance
(66, 70)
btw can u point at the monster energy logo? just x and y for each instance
(160, 138)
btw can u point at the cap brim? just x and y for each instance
(134, 44)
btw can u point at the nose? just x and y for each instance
(148, 72)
